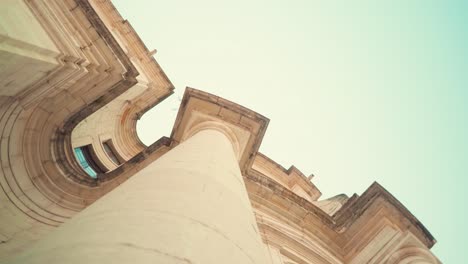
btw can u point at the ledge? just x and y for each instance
(244, 127)
(356, 208)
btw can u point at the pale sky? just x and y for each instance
(355, 92)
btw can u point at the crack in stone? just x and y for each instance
(126, 244)
(219, 232)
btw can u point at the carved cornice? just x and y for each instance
(356, 208)
(412, 255)
(244, 127)
(286, 177)
(361, 217)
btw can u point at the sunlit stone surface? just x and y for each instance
(74, 74)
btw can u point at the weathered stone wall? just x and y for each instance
(42, 184)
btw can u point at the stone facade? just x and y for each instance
(74, 73)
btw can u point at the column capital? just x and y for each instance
(243, 127)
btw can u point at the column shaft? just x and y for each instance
(189, 206)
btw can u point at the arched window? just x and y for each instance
(86, 158)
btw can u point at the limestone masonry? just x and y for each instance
(78, 186)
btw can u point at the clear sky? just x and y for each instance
(356, 92)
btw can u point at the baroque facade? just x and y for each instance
(78, 186)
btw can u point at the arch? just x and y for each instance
(412, 255)
(220, 127)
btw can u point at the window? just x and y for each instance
(86, 158)
(111, 152)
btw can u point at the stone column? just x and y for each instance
(189, 206)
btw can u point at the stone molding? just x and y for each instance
(286, 177)
(244, 127)
(344, 236)
(42, 183)
(412, 255)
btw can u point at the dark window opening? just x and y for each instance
(88, 161)
(109, 148)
